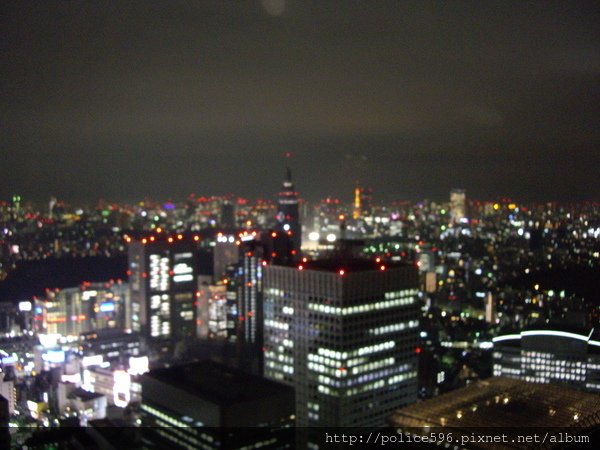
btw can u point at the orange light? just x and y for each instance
(342, 272)
(180, 236)
(378, 259)
(273, 234)
(382, 268)
(300, 267)
(144, 241)
(304, 259)
(159, 230)
(152, 238)
(170, 240)
(196, 238)
(342, 217)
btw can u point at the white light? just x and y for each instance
(331, 237)
(313, 236)
(506, 337)
(182, 268)
(49, 340)
(286, 227)
(555, 333)
(121, 388)
(182, 278)
(25, 306)
(94, 360)
(138, 366)
(75, 378)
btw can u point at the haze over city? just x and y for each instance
(123, 100)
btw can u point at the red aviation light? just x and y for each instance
(300, 267)
(342, 272)
(382, 268)
(170, 240)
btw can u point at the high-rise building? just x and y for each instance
(288, 215)
(163, 283)
(343, 332)
(227, 215)
(545, 355)
(7, 390)
(89, 307)
(209, 405)
(458, 205)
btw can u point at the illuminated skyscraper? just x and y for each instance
(288, 215)
(344, 333)
(163, 288)
(458, 205)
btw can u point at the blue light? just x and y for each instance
(107, 307)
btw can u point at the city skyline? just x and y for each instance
(124, 101)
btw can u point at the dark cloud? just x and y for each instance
(123, 99)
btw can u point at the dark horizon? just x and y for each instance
(126, 100)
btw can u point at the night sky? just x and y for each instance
(127, 99)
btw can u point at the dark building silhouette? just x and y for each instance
(288, 215)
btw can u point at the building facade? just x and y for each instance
(343, 333)
(163, 283)
(550, 356)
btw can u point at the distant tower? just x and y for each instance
(288, 215)
(357, 203)
(490, 308)
(458, 205)
(227, 214)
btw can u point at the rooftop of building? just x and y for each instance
(349, 264)
(84, 395)
(218, 383)
(503, 402)
(549, 331)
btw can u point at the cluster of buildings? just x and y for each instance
(276, 315)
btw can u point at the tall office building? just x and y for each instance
(245, 282)
(162, 279)
(343, 332)
(288, 215)
(458, 205)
